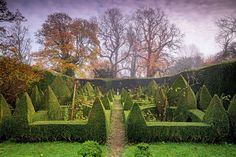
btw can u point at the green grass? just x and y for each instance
(186, 150)
(177, 124)
(43, 149)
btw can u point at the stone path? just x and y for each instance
(116, 140)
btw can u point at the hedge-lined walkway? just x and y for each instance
(116, 140)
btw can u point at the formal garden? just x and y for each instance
(187, 114)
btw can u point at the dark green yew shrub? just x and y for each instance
(97, 126)
(176, 89)
(106, 102)
(36, 98)
(161, 103)
(88, 88)
(151, 88)
(232, 117)
(142, 150)
(110, 96)
(123, 95)
(90, 149)
(204, 98)
(128, 102)
(52, 105)
(186, 101)
(61, 90)
(5, 111)
(217, 117)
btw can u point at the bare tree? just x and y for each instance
(156, 37)
(16, 42)
(113, 37)
(226, 36)
(8, 16)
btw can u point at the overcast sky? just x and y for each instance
(195, 18)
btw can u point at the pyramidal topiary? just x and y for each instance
(24, 110)
(204, 98)
(232, 117)
(217, 117)
(4, 109)
(88, 88)
(162, 104)
(175, 91)
(180, 82)
(123, 95)
(97, 121)
(98, 91)
(128, 102)
(186, 101)
(110, 96)
(106, 102)
(36, 98)
(135, 123)
(61, 90)
(151, 88)
(52, 104)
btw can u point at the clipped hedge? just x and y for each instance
(128, 102)
(232, 118)
(219, 78)
(217, 117)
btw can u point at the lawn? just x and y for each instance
(186, 150)
(43, 149)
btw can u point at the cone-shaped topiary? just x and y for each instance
(186, 101)
(205, 98)
(24, 110)
(136, 124)
(88, 88)
(110, 96)
(151, 88)
(61, 90)
(180, 82)
(128, 102)
(106, 102)
(123, 95)
(4, 109)
(98, 92)
(36, 98)
(162, 104)
(97, 122)
(232, 117)
(175, 90)
(217, 117)
(52, 104)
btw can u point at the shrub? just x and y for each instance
(162, 103)
(232, 117)
(90, 149)
(110, 96)
(123, 95)
(175, 91)
(36, 98)
(61, 90)
(128, 102)
(142, 150)
(88, 88)
(40, 116)
(151, 88)
(135, 124)
(97, 126)
(4, 109)
(24, 110)
(217, 117)
(205, 98)
(187, 101)
(52, 104)
(106, 102)
(98, 91)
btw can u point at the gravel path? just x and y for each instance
(116, 141)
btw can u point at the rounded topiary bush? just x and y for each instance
(90, 149)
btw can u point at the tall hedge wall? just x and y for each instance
(219, 78)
